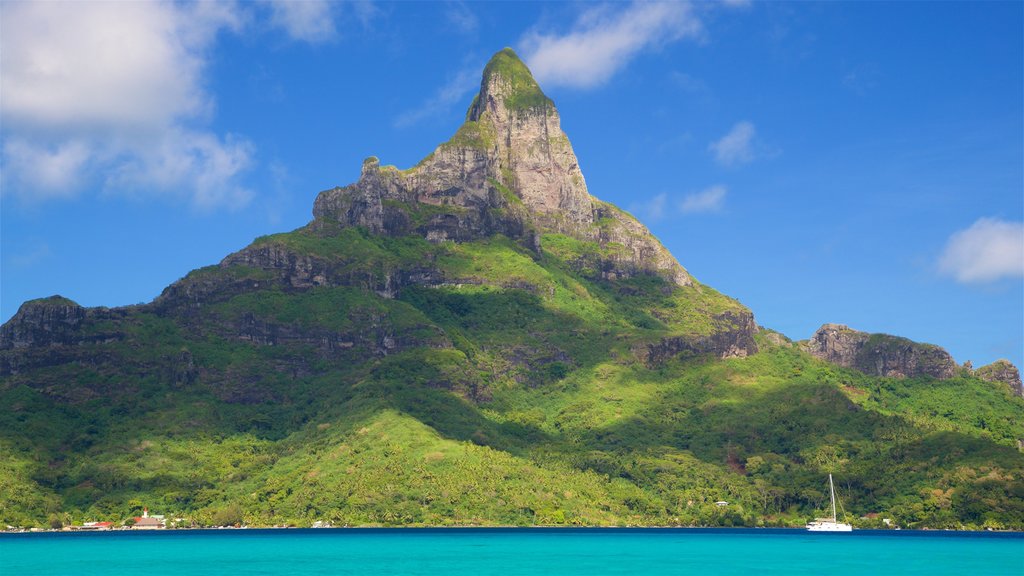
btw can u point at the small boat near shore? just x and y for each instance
(829, 524)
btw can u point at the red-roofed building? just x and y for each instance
(147, 522)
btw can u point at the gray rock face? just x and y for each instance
(880, 354)
(510, 170)
(1002, 371)
(53, 330)
(298, 270)
(733, 339)
(42, 322)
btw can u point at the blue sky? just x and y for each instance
(860, 163)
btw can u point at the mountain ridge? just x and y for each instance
(477, 340)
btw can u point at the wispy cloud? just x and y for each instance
(711, 199)
(307, 20)
(604, 40)
(989, 250)
(316, 21)
(652, 210)
(448, 95)
(31, 257)
(115, 88)
(461, 18)
(52, 171)
(708, 200)
(736, 147)
(209, 164)
(689, 84)
(366, 11)
(861, 79)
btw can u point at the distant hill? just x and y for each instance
(478, 341)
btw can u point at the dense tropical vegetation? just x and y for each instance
(514, 397)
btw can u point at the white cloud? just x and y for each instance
(307, 20)
(991, 249)
(707, 200)
(207, 164)
(53, 171)
(603, 41)
(114, 88)
(736, 147)
(454, 91)
(90, 64)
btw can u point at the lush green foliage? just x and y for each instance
(510, 393)
(524, 92)
(473, 134)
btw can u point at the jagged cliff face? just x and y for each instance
(43, 322)
(510, 170)
(532, 154)
(880, 354)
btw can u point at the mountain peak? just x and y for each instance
(507, 81)
(509, 169)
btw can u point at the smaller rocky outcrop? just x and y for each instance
(1002, 371)
(55, 330)
(42, 322)
(298, 270)
(880, 354)
(733, 338)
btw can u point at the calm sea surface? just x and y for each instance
(510, 552)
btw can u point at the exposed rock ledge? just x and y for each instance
(1002, 371)
(42, 322)
(880, 354)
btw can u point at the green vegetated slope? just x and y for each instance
(512, 393)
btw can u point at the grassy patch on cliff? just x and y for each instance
(354, 245)
(473, 134)
(524, 92)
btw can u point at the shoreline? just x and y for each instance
(524, 529)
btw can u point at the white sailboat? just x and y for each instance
(829, 524)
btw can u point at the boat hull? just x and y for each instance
(827, 526)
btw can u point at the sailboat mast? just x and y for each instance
(832, 492)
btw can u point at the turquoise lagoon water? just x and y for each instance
(512, 552)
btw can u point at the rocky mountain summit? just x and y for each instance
(509, 169)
